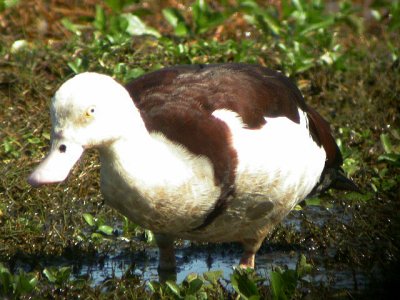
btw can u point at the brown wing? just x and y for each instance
(185, 96)
(321, 132)
(179, 102)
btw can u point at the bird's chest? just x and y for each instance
(124, 198)
(158, 205)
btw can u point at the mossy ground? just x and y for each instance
(359, 94)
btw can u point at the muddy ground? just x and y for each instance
(350, 239)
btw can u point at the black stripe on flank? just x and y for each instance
(220, 206)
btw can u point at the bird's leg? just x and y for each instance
(250, 248)
(247, 260)
(167, 261)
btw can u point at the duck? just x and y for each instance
(213, 153)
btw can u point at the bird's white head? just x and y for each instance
(89, 110)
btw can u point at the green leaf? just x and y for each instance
(58, 276)
(204, 18)
(283, 283)
(89, 219)
(213, 276)
(177, 21)
(182, 29)
(4, 4)
(135, 26)
(63, 274)
(314, 201)
(190, 277)
(355, 196)
(149, 236)
(318, 26)
(34, 140)
(134, 73)
(96, 236)
(392, 158)
(107, 230)
(75, 65)
(115, 5)
(277, 286)
(271, 23)
(248, 5)
(173, 287)
(297, 4)
(49, 273)
(244, 285)
(173, 16)
(23, 283)
(154, 286)
(100, 19)
(33, 281)
(75, 29)
(6, 279)
(290, 281)
(303, 268)
(118, 25)
(194, 286)
(386, 143)
(46, 135)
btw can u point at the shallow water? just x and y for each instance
(192, 258)
(204, 259)
(200, 259)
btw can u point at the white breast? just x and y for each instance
(161, 187)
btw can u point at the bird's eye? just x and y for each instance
(62, 148)
(90, 111)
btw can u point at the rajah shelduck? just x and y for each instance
(215, 153)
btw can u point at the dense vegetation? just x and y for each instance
(344, 56)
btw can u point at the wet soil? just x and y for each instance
(352, 240)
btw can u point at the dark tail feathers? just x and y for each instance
(333, 178)
(341, 182)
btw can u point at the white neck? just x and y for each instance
(146, 160)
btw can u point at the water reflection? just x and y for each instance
(200, 259)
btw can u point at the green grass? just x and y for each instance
(347, 67)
